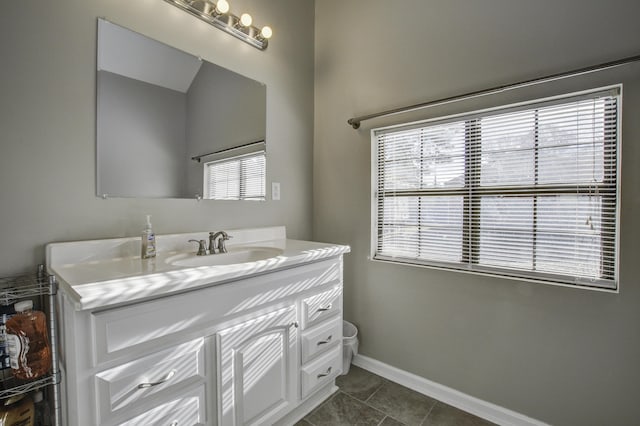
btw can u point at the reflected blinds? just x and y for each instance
(236, 178)
(527, 191)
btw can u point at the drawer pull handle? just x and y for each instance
(324, 309)
(166, 378)
(321, 375)
(174, 423)
(324, 342)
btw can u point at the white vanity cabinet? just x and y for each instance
(259, 349)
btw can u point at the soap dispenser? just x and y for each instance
(148, 241)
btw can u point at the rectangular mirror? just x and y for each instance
(170, 125)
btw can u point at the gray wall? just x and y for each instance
(142, 131)
(48, 125)
(561, 355)
(212, 126)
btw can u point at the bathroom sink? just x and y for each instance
(233, 257)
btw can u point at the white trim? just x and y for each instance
(576, 285)
(373, 241)
(618, 186)
(486, 410)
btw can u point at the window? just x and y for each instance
(527, 191)
(236, 178)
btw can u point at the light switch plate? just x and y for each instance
(275, 191)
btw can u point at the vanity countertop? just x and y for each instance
(105, 273)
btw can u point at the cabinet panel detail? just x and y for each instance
(257, 364)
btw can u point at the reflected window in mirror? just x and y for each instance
(240, 177)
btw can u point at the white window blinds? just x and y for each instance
(527, 191)
(236, 178)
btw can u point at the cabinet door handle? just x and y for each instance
(325, 309)
(166, 378)
(324, 342)
(174, 423)
(321, 375)
(294, 324)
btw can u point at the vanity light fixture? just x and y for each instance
(222, 7)
(218, 15)
(245, 20)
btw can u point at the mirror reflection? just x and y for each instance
(170, 125)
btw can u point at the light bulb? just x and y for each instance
(245, 20)
(222, 6)
(266, 32)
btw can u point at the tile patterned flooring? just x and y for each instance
(365, 398)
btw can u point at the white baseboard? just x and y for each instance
(486, 410)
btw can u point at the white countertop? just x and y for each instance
(104, 273)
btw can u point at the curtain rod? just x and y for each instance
(198, 157)
(355, 121)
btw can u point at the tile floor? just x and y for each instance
(368, 399)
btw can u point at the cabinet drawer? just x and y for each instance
(138, 325)
(320, 306)
(321, 371)
(161, 372)
(187, 410)
(321, 338)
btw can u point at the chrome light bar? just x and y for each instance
(218, 15)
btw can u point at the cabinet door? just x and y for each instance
(257, 362)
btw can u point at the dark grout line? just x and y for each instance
(429, 412)
(376, 408)
(374, 392)
(319, 406)
(370, 406)
(367, 403)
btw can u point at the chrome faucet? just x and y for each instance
(221, 236)
(202, 247)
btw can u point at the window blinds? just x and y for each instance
(236, 178)
(527, 191)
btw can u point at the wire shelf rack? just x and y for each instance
(44, 286)
(20, 287)
(11, 386)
